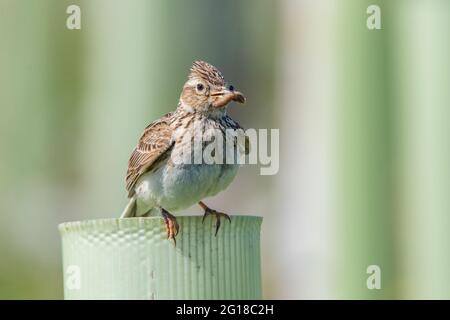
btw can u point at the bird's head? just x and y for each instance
(206, 92)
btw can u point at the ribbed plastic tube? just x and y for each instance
(133, 259)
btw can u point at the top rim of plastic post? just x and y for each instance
(117, 224)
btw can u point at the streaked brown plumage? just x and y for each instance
(155, 141)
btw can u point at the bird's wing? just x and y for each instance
(152, 146)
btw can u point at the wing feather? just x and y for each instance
(152, 147)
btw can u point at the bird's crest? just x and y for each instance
(205, 71)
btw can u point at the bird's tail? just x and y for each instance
(130, 209)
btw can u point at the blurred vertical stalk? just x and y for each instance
(423, 74)
(24, 83)
(121, 70)
(364, 186)
(39, 90)
(304, 184)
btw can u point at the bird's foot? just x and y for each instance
(217, 214)
(172, 226)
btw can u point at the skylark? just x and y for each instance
(155, 181)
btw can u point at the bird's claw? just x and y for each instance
(217, 214)
(172, 226)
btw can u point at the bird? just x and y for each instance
(157, 181)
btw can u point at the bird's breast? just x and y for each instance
(201, 164)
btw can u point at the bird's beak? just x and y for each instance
(225, 96)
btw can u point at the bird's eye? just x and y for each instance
(231, 88)
(200, 87)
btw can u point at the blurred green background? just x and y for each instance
(363, 116)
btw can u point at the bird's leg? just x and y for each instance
(172, 226)
(217, 214)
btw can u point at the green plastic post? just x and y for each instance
(133, 259)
